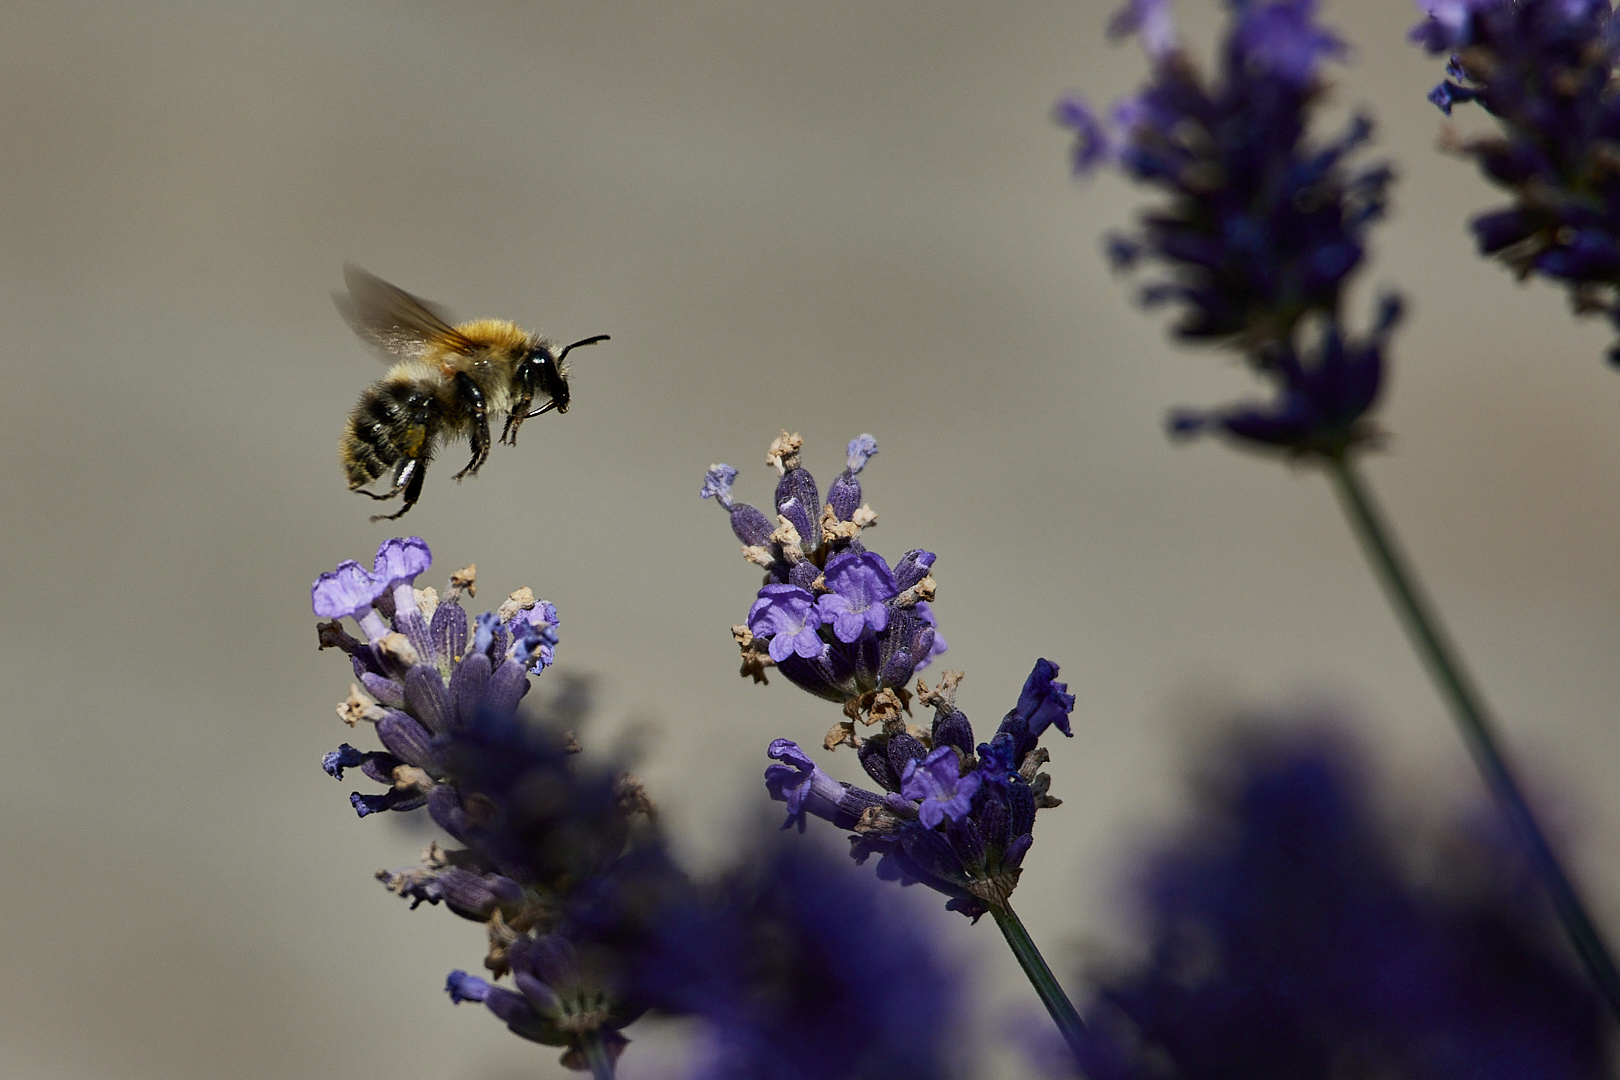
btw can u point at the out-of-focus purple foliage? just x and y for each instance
(799, 965)
(1262, 227)
(1546, 70)
(1291, 936)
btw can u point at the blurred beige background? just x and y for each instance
(829, 217)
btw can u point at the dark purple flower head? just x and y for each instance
(958, 823)
(1547, 71)
(1262, 225)
(831, 616)
(1044, 701)
(1290, 934)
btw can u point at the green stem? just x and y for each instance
(1041, 977)
(597, 1056)
(1444, 664)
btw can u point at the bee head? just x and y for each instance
(550, 376)
(556, 370)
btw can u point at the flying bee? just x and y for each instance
(447, 381)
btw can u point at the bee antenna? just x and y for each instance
(577, 344)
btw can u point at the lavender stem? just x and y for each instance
(1040, 976)
(597, 1056)
(1428, 636)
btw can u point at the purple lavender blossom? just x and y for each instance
(1093, 142)
(938, 786)
(808, 790)
(860, 582)
(1262, 228)
(1044, 701)
(350, 592)
(535, 827)
(1546, 70)
(788, 616)
(832, 616)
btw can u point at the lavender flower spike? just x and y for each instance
(832, 616)
(1262, 225)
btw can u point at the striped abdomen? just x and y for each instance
(395, 420)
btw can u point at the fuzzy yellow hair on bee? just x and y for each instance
(445, 383)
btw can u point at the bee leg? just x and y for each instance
(515, 417)
(400, 472)
(473, 399)
(411, 473)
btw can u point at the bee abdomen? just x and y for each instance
(387, 425)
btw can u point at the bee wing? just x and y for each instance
(393, 320)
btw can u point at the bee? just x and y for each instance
(446, 382)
